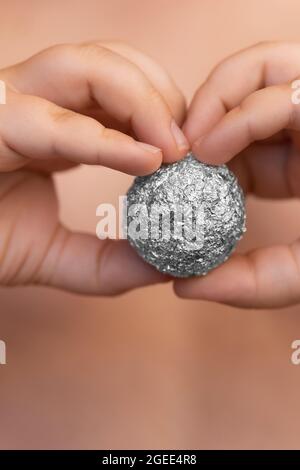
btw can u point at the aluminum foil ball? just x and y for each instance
(186, 218)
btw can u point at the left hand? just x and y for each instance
(244, 115)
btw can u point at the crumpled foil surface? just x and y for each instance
(186, 218)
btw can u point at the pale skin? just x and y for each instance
(243, 115)
(97, 104)
(94, 104)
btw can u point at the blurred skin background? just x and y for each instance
(148, 370)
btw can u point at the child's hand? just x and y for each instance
(244, 114)
(57, 104)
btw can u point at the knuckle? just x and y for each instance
(60, 53)
(225, 66)
(221, 71)
(58, 240)
(57, 58)
(87, 51)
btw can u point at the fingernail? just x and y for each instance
(179, 136)
(148, 147)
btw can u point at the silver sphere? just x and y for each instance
(186, 218)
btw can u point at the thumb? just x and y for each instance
(264, 278)
(83, 264)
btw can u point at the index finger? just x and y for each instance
(76, 77)
(237, 77)
(261, 115)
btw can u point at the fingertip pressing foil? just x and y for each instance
(186, 218)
